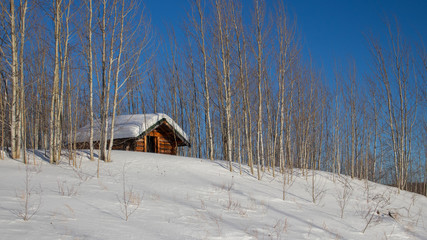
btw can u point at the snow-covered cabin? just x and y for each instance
(156, 133)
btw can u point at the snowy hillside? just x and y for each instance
(186, 198)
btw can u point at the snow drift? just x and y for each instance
(187, 198)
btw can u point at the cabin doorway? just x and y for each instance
(151, 144)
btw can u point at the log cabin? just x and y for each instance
(155, 133)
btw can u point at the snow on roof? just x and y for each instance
(128, 126)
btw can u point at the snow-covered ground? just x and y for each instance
(187, 198)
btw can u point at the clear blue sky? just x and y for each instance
(331, 29)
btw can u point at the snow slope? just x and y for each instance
(187, 198)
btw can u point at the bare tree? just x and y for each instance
(23, 9)
(223, 35)
(287, 54)
(423, 73)
(90, 75)
(55, 89)
(105, 80)
(336, 166)
(3, 102)
(14, 76)
(258, 50)
(3, 105)
(375, 113)
(201, 40)
(55, 141)
(154, 85)
(392, 69)
(353, 120)
(241, 43)
(137, 52)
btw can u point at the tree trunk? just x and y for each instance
(90, 79)
(209, 136)
(14, 123)
(21, 71)
(116, 83)
(55, 88)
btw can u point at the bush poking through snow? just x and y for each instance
(375, 207)
(65, 189)
(288, 181)
(280, 228)
(316, 188)
(80, 174)
(343, 194)
(129, 200)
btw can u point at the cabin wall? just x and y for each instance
(163, 145)
(119, 144)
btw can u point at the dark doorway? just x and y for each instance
(151, 144)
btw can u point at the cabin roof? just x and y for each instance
(131, 126)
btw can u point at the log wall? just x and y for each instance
(163, 145)
(163, 141)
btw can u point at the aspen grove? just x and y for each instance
(235, 78)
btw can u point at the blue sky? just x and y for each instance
(331, 30)
(338, 30)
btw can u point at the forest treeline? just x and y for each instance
(234, 78)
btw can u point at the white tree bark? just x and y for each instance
(202, 47)
(259, 60)
(53, 142)
(15, 120)
(90, 78)
(22, 131)
(224, 41)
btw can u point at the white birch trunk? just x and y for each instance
(90, 78)
(55, 88)
(116, 83)
(14, 123)
(22, 88)
(210, 147)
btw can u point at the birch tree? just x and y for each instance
(121, 41)
(258, 50)
(286, 57)
(60, 61)
(3, 91)
(243, 79)
(90, 75)
(23, 10)
(3, 102)
(223, 35)
(393, 71)
(14, 76)
(55, 88)
(199, 23)
(353, 120)
(105, 81)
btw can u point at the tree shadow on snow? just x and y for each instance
(42, 154)
(226, 165)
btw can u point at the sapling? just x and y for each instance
(377, 203)
(288, 181)
(66, 189)
(129, 200)
(28, 207)
(316, 189)
(343, 195)
(280, 227)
